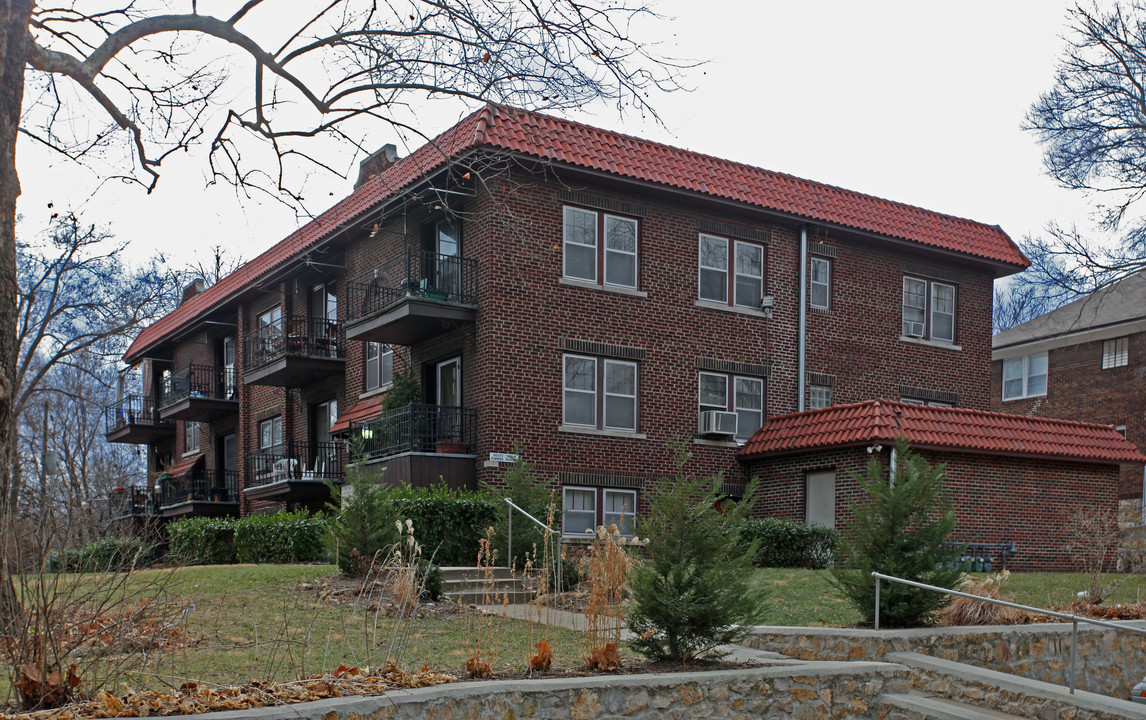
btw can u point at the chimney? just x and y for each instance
(376, 164)
(193, 288)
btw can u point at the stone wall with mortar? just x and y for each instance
(1109, 662)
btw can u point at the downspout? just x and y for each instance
(802, 330)
(891, 468)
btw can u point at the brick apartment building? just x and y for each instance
(1083, 361)
(580, 295)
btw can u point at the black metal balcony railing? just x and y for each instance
(204, 486)
(203, 381)
(418, 428)
(297, 462)
(133, 410)
(131, 502)
(308, 336)
(426, 275)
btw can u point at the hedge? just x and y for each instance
(789, 544)
(202, 541)
(280, 538)
(449, 523)
(106, 554)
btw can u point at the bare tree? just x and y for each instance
(1024, 298)
(1092, 126)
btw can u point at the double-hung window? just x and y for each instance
(733, 393)
(1115, 353)
(1025, 377)
(584, 509)
(731, 272)
(612, 262)
(600, 393)
(928, 310)
(820, 283)
(379, 365)
(271, 436)
(191, 437)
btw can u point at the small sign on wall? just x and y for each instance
(503, 457)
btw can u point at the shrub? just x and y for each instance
(695, 590)
(280, 538)
(202, 541)
(107, 554)
(570, 575)
(432, 582)
(532, 495)
(363, 526)
(902, 529)
(447, 522)
(789, 544)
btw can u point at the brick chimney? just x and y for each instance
(376, 163)
(193, 288)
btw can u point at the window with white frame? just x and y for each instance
(586, 508)
(929, 403)
(612, 263)
(379, 365)
(820, 280)
(819, 396)
(730, 272)
(600, 393)
(736, 394)
(1025, 377)
(928, 309)
(1115, 353)
(271, 436)
(191, 437)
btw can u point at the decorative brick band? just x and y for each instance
(931, 271)
(735, 368)
(821, 379)
(602, 349)
(598, 480)
(925, 394)
(603, 203)
(821, 249)
(736, 231)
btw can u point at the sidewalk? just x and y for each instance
(578, 622)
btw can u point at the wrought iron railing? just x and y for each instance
(418, 428)
(203, 486)
(133, 410)
(205, 381)
(297, 462)
(307, 336)
(131, 502)
(416, 273)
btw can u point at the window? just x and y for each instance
(379, 365)
(821, 282)
(583, 509)
(819, 396)
(191, 437)
(731, 393)
(928, 310)
(929, 403)
(1121, 430)
(586, 260)
(271, 436)
(1115, 353)
(600, 393)
(745, 284)
(1025, 377)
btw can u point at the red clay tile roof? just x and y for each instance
(882, 421)
(365, 410)
(562, 141)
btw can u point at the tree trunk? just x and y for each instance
(15, 16)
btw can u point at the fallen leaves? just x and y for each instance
(48, 687)
(607, 657)
(476, 668)
(543, 659)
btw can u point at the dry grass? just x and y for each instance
(606, 573)
(965, 611)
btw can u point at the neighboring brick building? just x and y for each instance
(580, 294)
(1084, 361)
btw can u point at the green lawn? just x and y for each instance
(805, 598)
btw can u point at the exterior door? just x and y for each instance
(229, 463)
(448, 246)
(821, 498)
(229, 368)
(449, 382)
(324, 453)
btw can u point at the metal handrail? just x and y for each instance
(1074, 619)
(550, 531)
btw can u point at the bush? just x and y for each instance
(570, 575)
(202, 541)
(447, 522)
(364, 524)
(532, 495)
(900, 529)
(695, 591)
(280, 538)
(431, 579)
(107, 554)
(789, 544)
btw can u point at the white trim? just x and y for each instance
(930, 343)
(827, 284)
(596, 246)
(566, 389)
(585, 430)
(725, 271)
(736, 275)
(616, 289)
(635, 254)
(455, 360)
(1025, 376)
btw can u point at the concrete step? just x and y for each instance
(470, 585)
(461, 572)
(492, 600)
(916, 706)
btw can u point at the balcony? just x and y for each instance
(201, 494)
(201, 393)
(136, 420)
(301, 469)
(420, 445)
(412, 298)
(131, 502)
(295, 353)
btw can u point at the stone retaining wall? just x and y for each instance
(1109, 662)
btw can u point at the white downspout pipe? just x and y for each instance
(891, 468)
(802, 330)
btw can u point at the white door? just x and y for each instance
(821, 498)
(449, 420)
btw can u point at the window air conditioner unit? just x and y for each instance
(715, 422)
(913, 329)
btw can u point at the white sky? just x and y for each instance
(919, 102)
